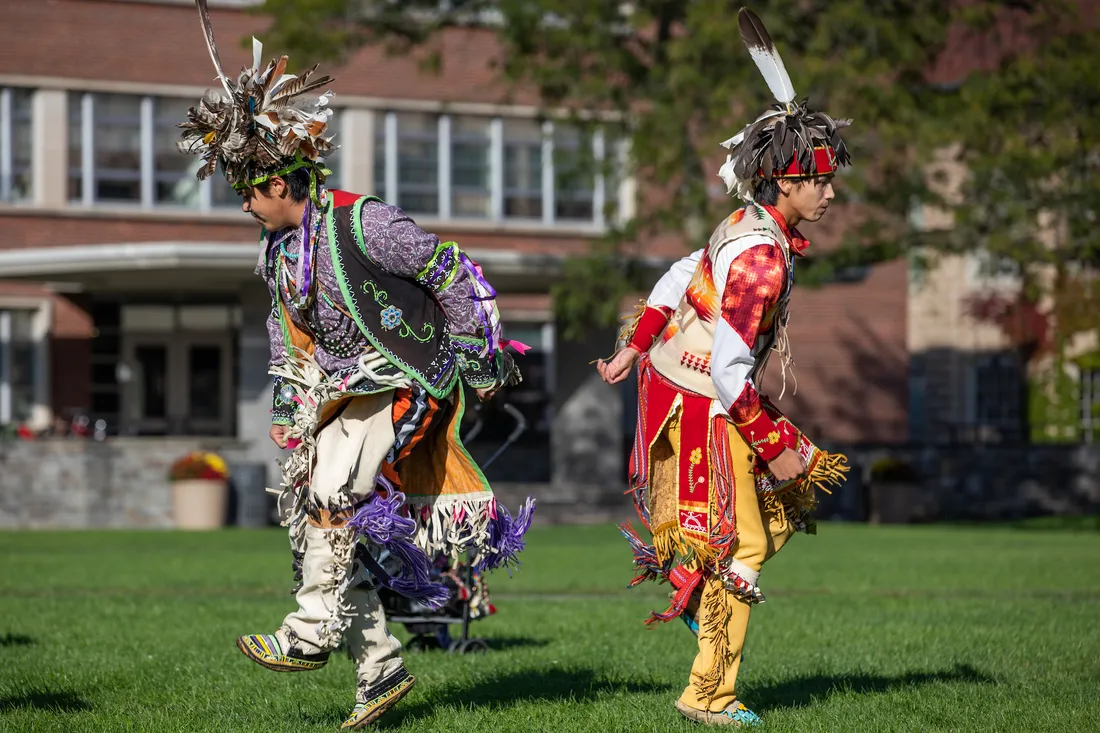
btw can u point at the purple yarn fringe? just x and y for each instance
(379, 520)
(506, 537)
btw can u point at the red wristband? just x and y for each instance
(763, 436)
(650, 326)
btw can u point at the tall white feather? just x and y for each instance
(208, 34)
(765, 55)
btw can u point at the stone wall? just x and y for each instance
(971, 482)
(123, 483)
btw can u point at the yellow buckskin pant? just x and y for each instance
(723, 617)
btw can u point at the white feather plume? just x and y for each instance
(766, 56)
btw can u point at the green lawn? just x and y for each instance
(865, 629)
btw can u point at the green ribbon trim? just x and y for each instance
(341, 279)
(455, 264)
(315, 168)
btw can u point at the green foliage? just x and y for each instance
(1054, 399)
(677, 72)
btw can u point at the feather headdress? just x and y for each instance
(789, 140)
(264, 124)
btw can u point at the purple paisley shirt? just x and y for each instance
(397, 244)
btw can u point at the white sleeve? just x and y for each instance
(731, 359)
(731, 363)
(670, 289)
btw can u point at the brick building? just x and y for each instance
(128, 293)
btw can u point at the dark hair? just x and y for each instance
(297, 183)
(767, 192)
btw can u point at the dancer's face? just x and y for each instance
(271, 205)
(809, 199)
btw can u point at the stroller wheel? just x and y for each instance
(469, 646)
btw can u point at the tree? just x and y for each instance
(677, 74)
(1028, 136)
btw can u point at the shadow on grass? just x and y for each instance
(802, 691)
(15, 640)
(494, 643)
(60, 701)
(502, 690)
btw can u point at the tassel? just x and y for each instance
(506, 537)
(380, 521)
(680, 599)
(645, 557)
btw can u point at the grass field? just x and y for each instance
(865, 629)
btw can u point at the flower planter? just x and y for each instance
(200, 503)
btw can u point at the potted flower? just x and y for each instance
(200, 490)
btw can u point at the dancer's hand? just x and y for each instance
(787, 465)
(280, 434)
(618, 367)
(486, 394)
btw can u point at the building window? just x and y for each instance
(470, 167)
(523, 144)
(15, 143)
(418, 163)
(117, 158)
(998, 398)
(573, 175)
(176, 184)
(459, 167)
(122, 150)
(1090, 404)
(23, 332)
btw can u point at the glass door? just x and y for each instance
(177, 384)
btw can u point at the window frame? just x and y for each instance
(42, 314)
(386, 146)
(8, 122)
(82, 116)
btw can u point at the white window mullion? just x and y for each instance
(87, 149)
(444, 157)
(5, 144)
(148, 171)
(624, 196)
(599, 190)
(391, 159)
(206, 195)
(5, 367)
(548, 172)
(496, 169)
(40, 412)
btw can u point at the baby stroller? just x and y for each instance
(469, 601)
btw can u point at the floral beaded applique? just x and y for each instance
(694, 459)
(391, 317)
(287, 393)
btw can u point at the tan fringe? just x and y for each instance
(831, 470)
(770, 503)
(669, 542)
(782, 347)
(626, 333)
(717, 611)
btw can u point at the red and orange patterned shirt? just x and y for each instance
(753, 271)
